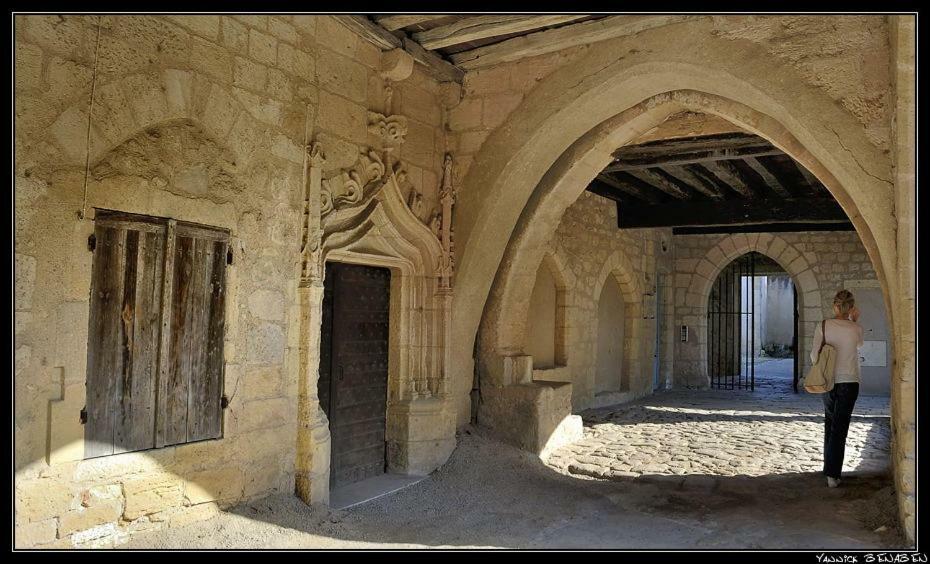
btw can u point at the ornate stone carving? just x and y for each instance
(311, 265)
(446, 201)
(388, 98)
(363, 215)
(396, 65)
(353, 186)
(415, 203)
(392, 130)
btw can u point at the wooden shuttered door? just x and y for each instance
(191, 374)
(155, 343)
(123, 340)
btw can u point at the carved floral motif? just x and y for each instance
(350, 187)
(392, 130)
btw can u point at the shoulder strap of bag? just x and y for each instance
(823, 333)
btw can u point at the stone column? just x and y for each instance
(313, 437)
(903, 389)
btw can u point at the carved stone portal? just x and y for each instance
(360, 216)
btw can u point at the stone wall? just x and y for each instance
(197, 118)
(819, 263)
(249, 92)
(903, 40)
(846, 57)
(779, 303)
(588, 241)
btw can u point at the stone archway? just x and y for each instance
(132, 102)
(691, 357)
(619, 270)
(565, 129)
(540, 159)
(555, 317)
(359, 216)
(561, 186)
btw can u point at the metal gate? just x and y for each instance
(730, 323)
(794, 340)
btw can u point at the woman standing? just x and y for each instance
(844, 333)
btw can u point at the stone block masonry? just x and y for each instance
(205, 119)
(200, 119)
(819, 264)
(593, 249)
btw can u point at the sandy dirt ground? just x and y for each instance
(491, 495)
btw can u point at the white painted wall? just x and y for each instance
(779, 311)
(875, 374)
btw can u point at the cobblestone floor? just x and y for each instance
(492, 495)
(770, 430)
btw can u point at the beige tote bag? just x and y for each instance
(820, 378)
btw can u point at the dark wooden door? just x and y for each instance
(354, 368)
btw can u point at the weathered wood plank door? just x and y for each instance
(123, 336)
(155, 337)
(189, 394)
(354, 368)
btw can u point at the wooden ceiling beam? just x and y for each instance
(655, 178)
(552, 40)
(811, 180)
(476, 28)
(697, 181)
(770, 180)
(731, 212)
(395, 22)
(370, 32)
(603, 189)
(375, 34)
(766, 228)
(626, 163)
(656, 149)
(630, 189)
(730, 175)
(441, 69)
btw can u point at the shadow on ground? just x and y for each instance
(491, 495)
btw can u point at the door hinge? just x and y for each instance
(92, 242)
(83, 415)
(224, 402)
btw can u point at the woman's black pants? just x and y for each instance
(837, 407)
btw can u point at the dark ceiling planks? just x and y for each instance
(724, 179)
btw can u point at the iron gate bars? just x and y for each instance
(730, 323)
(794, 339)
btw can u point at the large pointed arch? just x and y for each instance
(563, 133)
